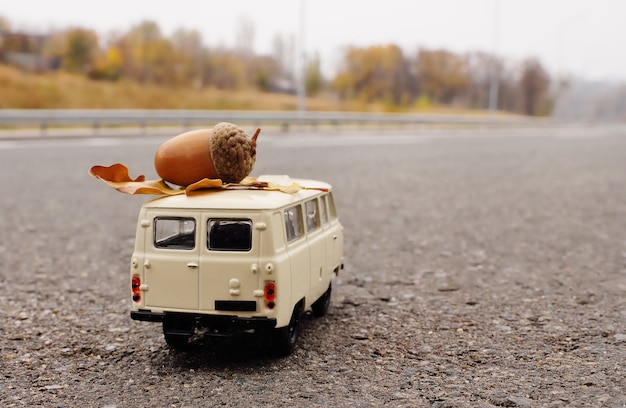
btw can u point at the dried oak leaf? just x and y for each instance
(116, 176)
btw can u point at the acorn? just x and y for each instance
(224, 152)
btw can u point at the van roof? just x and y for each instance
(243, 199)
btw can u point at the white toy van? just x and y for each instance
(220, 261)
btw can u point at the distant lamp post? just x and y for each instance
(495, 74)
(302, 60)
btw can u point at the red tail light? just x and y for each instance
(269, 294)
(135, 283)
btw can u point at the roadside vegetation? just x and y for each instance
(143, 68)
(61, 90)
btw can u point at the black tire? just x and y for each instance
(177, 330)
(320, 306)
(284, 339)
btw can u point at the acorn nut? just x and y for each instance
(225, 152)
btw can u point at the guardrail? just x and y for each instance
(97, 118)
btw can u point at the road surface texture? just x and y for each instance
(483, 268)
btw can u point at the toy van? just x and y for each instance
(217, 262)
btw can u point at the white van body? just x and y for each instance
(228, 260)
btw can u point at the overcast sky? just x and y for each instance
(581, 37)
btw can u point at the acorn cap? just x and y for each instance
(233, 152)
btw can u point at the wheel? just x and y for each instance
(284, 338)
(177, 330)
(320, 306)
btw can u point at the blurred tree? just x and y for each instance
(5, 25)
(245, 36)
(314, 79)
(148, 57)
(165, 66)
(224, 69)
(108, 66)
(244, 47)
(130, 65)
(534, 84)
(188, 44)
(284, 51)
(441, 75)
(266, 73)
(78, 49)
(17, 42)
(374, 73)
(143, 39)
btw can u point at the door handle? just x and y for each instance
(192, 265)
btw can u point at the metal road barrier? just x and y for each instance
(99, 118)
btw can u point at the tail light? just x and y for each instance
(269, 294)
(135, 284)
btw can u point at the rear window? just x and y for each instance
(229, 235)
(175, 233)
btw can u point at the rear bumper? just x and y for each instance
(219, 324)
(147, 316)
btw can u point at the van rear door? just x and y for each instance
(171, 264)
(229, 275)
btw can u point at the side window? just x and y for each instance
(175, 233)
(229, 235)
(310, 208)
(323, 215)
(293, 223)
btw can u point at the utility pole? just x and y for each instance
(495, 75)
(302, 60)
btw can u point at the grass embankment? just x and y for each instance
(19, 90)
(58, 90)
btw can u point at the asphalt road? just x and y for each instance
(483, 268)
